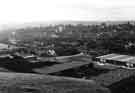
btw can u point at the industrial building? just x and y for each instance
(125, 61)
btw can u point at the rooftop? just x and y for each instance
(118, 57)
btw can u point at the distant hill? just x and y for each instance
(36, 24)
(35, 29)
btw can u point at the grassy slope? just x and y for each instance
(34, 83)
(113, 76)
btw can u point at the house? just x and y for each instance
(125, 61)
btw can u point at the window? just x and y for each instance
(102, 60)
(129, 65)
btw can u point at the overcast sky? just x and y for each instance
(20, 11)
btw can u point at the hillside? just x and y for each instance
(33, 83)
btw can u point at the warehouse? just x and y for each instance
(117, 59)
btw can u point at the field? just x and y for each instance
(79, 67)
(34, 83)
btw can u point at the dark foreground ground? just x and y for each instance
(34, 83)
(116, 80)
(124, 86)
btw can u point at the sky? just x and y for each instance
(23, 11)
